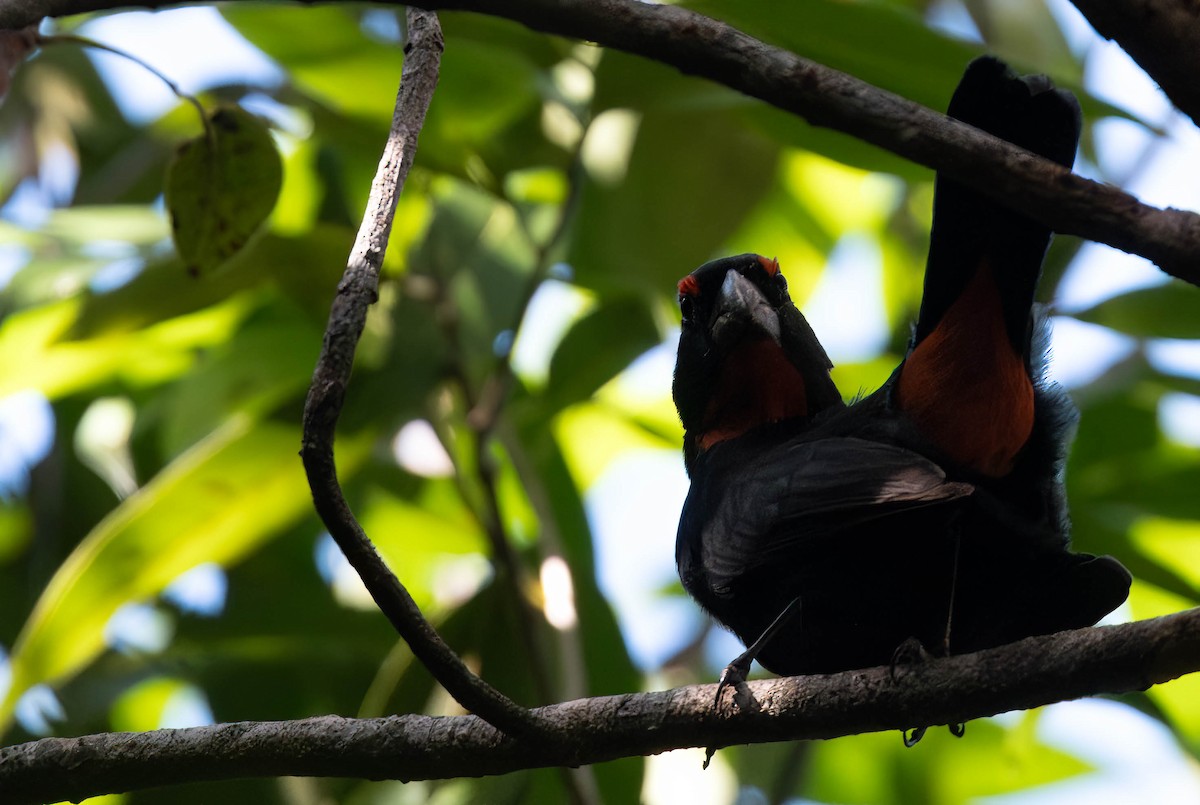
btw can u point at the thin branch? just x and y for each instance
(83, 41)
(1030, 673)
(479, 493)
(1163, 36)
(702, 46)
(493, 394)
(356, 292)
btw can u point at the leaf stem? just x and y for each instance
(83, 41)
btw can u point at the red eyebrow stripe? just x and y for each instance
(688, 286)
(770, 264)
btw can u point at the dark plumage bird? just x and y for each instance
(931, 509)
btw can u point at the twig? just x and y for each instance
(482, 499)
(486, 410)
(356, 292)
(83, 41)
(1030, 673)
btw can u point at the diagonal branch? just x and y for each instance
(356, 292)
(1033, 672)
(825, 97)
(1163, 36)
(702, 46)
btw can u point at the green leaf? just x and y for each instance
(1163, 311)
(693, 175)
(221, 187)
(37, 352)
(597, 348)
(327, 56)
(220, 500)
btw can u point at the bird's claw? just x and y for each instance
(914, 737)
(733, 676)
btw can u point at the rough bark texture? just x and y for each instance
(1030, 673)
(355, 294)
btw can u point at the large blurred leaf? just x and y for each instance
(692, 177)
(215, 503)
(1163, 311)
(282, 639)
(597, 348)
(878, 769)
(36, 350)
(266, 362)
(341, 67)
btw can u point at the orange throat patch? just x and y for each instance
(758, 385)
(966, 388)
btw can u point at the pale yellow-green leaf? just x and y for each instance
(130, 223)
(140, 708)
(842, 198)
(35, 353)
(1173, 543)
(215, 503)
(592, 435)
(1179, 699)
(536, 186)
(299, 202)
(417, 543)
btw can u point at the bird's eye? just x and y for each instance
(686, 307)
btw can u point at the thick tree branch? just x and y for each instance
(1030, 673)
(356, 292)
(702, 46)
(1163, 36)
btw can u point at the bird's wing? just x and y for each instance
(805, 496)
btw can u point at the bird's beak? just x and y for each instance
(742, 313)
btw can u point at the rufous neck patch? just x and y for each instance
(966, 388)
(757, 385)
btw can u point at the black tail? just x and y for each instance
(969, 228)
(969, 383)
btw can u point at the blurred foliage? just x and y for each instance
(594, 176)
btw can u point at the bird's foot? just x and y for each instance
(734, 676)
(910, 652)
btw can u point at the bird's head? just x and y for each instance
(747, 356)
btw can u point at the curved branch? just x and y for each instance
(1033, 672)
(356, 292)
(1163, 36)
(702, 46)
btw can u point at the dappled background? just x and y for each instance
(160, 564)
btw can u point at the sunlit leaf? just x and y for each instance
(36, 351)
(215, 503)
(1177, 698)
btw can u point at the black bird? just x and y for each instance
(932, 509)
